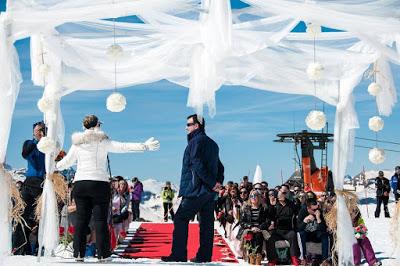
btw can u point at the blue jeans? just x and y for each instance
(189, 207)
(135, 210)
(317, 236)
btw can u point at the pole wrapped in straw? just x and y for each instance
(60, 189)
(340, 225)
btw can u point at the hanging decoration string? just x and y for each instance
(115, 61)
(315, 120)
(116, 102)
(376, 155)
(315, 82)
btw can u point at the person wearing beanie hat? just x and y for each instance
(167, 195)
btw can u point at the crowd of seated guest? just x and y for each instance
(256, 218)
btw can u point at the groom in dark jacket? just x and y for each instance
(202, 176)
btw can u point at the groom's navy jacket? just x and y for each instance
(201, 167)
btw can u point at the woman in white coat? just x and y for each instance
(91, 183)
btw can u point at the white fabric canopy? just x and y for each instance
(203, 47)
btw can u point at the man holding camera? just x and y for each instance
(167, 196)
(312, 227)
(31, 189)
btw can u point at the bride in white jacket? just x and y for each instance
(92, 191)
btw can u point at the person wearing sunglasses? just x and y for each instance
(30, 190)
(272, 198)
(312, 227)
(232, 211)
(296, 190)
(260, 188)
(254, 220)
(201, 179)
(244, 195)
(284, 230)
(92, 191)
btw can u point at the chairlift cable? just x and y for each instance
(366, 147)
(381, 141)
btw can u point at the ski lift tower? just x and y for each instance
(314, 178)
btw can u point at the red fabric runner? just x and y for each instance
(153, 240)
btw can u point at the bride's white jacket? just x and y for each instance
(89, 150)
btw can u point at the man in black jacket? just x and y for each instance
(202, 176)
(285, 214)
(311, 226)
(382, 194)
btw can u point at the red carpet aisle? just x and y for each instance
(153, 240)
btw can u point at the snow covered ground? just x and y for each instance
(151, 209)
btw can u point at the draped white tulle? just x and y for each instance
(9, 88)
(48, 237)
(203, 47)
(5, 224)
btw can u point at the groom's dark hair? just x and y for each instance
(202, 123)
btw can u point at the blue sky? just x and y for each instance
(245, 126)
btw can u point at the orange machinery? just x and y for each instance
(314, 178)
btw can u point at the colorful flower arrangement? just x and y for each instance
(66, 237)
(360, 232)
(248, 236)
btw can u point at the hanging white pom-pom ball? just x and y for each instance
(376, 123)
(45, 104)
(374, 89)
(116, 102)
(313, 29)
(314, 71)
(114, 52)
(376, 155)
(316, 120)
(44, 69)
(46, 145)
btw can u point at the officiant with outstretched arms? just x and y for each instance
(91, 183)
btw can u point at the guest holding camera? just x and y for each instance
(312, 227)
(31, 189)
(284, 230)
